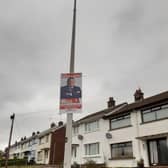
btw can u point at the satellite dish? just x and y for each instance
(108, 135)
(80, 137)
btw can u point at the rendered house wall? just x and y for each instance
(137, 129)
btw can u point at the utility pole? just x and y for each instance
(68, 144)
(12, 117)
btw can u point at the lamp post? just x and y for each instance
(12, 117)
(68, 144)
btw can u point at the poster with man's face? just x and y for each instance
(71, 92)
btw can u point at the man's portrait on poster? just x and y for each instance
(70, 91)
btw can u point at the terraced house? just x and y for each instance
(46, 147)
(43, 148)
(118, 136)
(50, 149)
(25, 148)
(121, 135)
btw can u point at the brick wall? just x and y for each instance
(57, 146)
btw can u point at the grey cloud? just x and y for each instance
(120, 45)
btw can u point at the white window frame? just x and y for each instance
(120, 119)
(121, 147)
(89, 127)
(75, 130)
(89, 149)
(155, 111)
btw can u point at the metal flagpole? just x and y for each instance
(68, 144)
(12, 117)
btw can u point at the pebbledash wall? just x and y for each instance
(119, 136)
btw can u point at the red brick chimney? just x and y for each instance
(111, 102)
(60, 123)
(52, 125)
(138, 95)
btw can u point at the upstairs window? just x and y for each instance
(121, 150)
(40, 141)
(33, 141)
(75, 130)
(92, 126)
(154, 114)
(120, 122)
(47, 138)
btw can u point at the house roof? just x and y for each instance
(142, 104)
(48, 131)
(97, 115)
(24, 140)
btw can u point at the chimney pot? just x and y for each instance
(52, 125)
(111, 102)
(138, 95)
(60, 123)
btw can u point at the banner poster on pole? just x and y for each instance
(70, 92)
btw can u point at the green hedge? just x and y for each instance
(14, 162)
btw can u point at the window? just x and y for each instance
(40, 141)
(121, 150)
(24, 145)
(46, 154)
(47, 138)
(74, 151)
(154, 114)
(120, 122)
(92, 149)
(29, 143)
(92, 126)
(33, 141)
(75, 130)
(33, 153)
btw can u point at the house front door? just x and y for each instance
(158, 151)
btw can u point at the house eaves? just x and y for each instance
(97, 115)
(155, 100)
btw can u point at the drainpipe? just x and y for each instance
(137, 130)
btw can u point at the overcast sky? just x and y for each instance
(121, 45)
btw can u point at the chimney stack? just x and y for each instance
(52, 125)
(60, 123)
(111, 102)
(138, 95)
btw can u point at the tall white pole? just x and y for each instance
(68, 144)
(12, 117)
